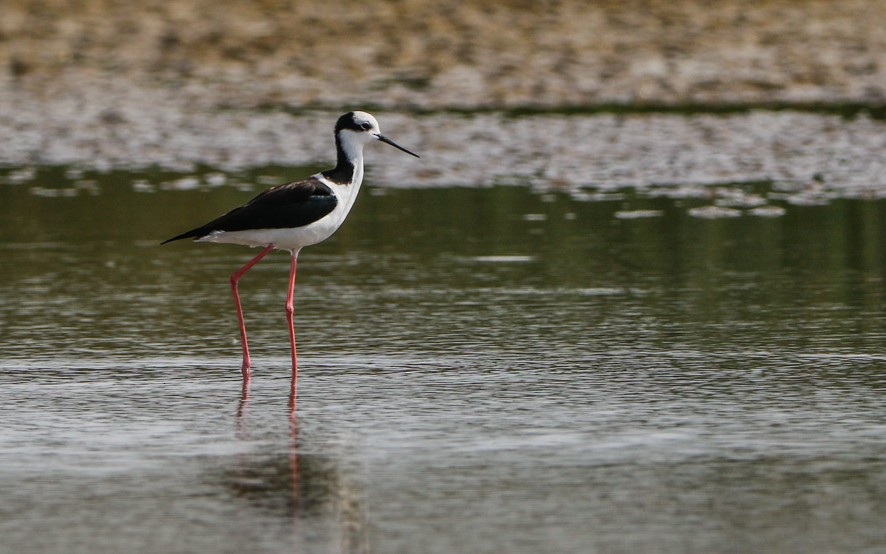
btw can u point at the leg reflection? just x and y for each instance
(323, 506)
(242, 406)
(293, 445)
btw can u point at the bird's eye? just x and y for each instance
(366, 126)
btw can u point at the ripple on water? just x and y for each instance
(622, 385)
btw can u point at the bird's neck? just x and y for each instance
(348, 169)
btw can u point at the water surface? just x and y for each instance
(482, 370)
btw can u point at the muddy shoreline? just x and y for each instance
(415, 53)
(175, 84)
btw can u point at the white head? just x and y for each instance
(355, 129)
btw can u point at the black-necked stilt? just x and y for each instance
(295, 215)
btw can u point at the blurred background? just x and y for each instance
(242, 84)
(433, 55)
(632, 298)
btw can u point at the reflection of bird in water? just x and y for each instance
(327, 507)
(295, 215)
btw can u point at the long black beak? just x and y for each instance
(386, 140)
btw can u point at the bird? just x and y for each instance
(294, 215)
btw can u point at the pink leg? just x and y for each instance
(235, 278)
(289, 312)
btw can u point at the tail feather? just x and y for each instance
(193, 233)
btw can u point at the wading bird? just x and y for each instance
(295, 215)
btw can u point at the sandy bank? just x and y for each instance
(427, 54)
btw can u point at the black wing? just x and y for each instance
(282, 207)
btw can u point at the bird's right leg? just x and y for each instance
(235, 278)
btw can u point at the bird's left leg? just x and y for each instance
(289, 311)
(235, 278)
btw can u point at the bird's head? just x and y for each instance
(359, 128)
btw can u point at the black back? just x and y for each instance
(282, 207)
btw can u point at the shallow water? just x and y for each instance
(482, 370)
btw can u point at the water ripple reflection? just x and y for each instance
(548, 384)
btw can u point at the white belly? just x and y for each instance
(282, 239)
